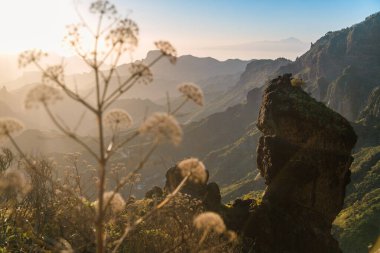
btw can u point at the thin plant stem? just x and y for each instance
(127, 178)
(179, 107)
(68, 133)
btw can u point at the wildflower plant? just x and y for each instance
(167, 50)
(194, 169)
(42, 94)
(192, 92)
(114, 37)
(117, 119)
(163, 127)
(9, 126)
(210, 222)
(15, 182)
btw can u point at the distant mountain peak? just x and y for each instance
(292, 39)
(152, 54)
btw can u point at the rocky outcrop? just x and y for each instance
(304, 156)
(257, 71)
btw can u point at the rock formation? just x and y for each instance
(304, 156)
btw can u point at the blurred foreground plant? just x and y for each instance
(112, 38)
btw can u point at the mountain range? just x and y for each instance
(289, 48)
(341, 69)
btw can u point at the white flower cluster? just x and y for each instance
(116, 205)
(192, 92)
(167, 49)
(10, 126)
(53, 74)
(42, 94)
(29, 56)
(117, 119)
(124, 34)
(193, 168)
(15, 181)
(210, 221)
(162, 126)
(142, 72)
(103, 7)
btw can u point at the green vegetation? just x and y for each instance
(358, 225)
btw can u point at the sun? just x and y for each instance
(28, 24)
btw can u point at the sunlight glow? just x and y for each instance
(34, 24)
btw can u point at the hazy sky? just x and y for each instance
(193, 26)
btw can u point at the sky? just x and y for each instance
(218, 28)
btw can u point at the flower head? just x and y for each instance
(15, 181)
(73, 37)
(53, 74)
(10, 126)
(142, 72)
(103, 7)
(42, 94)
(193, 168)
(167, 49)
(125, 34)
(65, 245)
(192, 92)
(162, 126)
(117, 119)
(116, 204)
(29, 56)
(210, 221)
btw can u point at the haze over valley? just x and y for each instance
(268, 124)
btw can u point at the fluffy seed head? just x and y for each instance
(192, 92)
(193, 168)
(29, 56)
(10, 126)
(162, 126)
(210, 221)
(42, 94)
(117, 119)
(15, 181)
(116, 205)
(125, 35)
(65, 245)
(167, 49)
(103, 7)
(53, 74)
(142, 72)
(73, 37)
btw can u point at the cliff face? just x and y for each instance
(258, 71)
(304, 156)
(342, 67)
(371, 114)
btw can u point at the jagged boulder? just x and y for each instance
(304, 156)
(212, 198)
